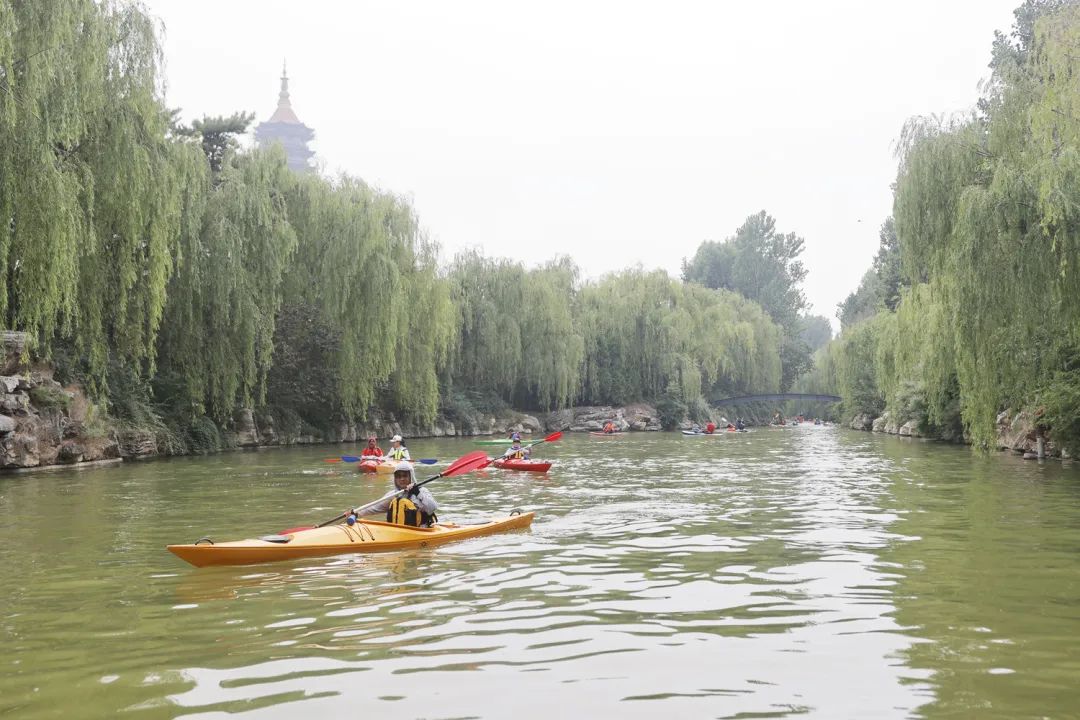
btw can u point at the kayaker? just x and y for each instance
(609, 428)
(398, 452)
(739, 424)
(417, 507)
(710, 427)
(372, 449)
(516, 451)
(696, 429)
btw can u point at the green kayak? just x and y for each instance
(501, 441)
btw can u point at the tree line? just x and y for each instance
(181, 277)
(972, 305)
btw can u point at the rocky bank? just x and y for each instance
(1018, 432)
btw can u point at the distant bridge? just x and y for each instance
(777, 398)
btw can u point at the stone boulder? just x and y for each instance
(137, 444)
(70, 452)
(862, 421)
(13, 357)
(19, 450)
(910, 429)
(7, 425)
(246, 432)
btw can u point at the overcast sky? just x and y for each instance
(615, 132)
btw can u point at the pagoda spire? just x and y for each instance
(284, 127)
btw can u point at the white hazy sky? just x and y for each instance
(614, 132)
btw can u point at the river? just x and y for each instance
(808, 571)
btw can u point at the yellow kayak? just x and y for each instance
(366, 536)
(378, 465)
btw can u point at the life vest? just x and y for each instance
(609, 428)
(371, 452)
(517, 455)
(403, 511)
(397, 453)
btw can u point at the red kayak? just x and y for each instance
(528, 465)
(604, 434)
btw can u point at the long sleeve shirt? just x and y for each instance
(423, 499)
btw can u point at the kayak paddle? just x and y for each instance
(464, 464)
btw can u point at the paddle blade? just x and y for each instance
(332, 460)
(553, 436)
(350, 458)
(466, 463)
(427, 461)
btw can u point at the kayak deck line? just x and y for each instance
(365, 536)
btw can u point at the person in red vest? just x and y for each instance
(609, 428)
(372, 450)
(710, 427)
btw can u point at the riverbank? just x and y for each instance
(45, 423)
(1018, 432)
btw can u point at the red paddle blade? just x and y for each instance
(465, 463)
(332, 460)
(553, 436)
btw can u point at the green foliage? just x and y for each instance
(671, 409)
(761, 264)
(1060, 401)
(816, 331)
(646, 333)
(882, 284)
(45, 397)
(218, 334)
(90, 194)
(987, 234)
(304, 375)
(217, 136)
(181, 278)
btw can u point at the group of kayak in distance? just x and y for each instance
(711, 429)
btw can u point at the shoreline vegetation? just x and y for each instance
(175, 290)
(967, 325)
(170, 292)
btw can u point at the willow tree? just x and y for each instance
(517, 336)
(91, 187)
(364, 265)
(984, 207)
(552, 348)
(217, 339)
(648, 335)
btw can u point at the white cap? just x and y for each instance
(396, 438)
(403, 467)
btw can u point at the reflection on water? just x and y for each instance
(805, 571)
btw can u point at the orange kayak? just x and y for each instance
(366, 536)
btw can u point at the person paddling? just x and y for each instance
(372, 449)
(609, 428)
(417, 507)
(398, 452)
(516, 451)
(710, 427)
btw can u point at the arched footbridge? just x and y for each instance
(780, 397)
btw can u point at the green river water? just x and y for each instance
(801, 572)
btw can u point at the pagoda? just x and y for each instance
(284, 127)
